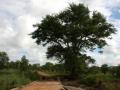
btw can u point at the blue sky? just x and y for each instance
(18, 16)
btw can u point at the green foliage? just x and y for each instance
(112, 85)
(15, 74)
(71, 33)
(24, 64)
(15, 64)
(3, 60)
(53, 68)
(92, 79)
(94, 70)
(10, 78)
(34, 66)
(32, 75)
(104, 68)
(48, 66)
(115, 71)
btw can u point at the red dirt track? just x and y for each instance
(44, 85)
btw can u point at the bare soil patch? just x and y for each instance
(44, 85)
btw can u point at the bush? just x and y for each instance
(88, 80)
(11, 78)
(32, 75)
(112, 85)
(92, 79)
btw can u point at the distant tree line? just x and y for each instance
(88, 75)
(24, 65)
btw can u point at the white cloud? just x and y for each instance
(18, 16)
(111, 51)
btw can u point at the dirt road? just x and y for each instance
(44, 85)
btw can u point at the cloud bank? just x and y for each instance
(18, 16)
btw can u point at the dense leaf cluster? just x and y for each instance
(72, 32)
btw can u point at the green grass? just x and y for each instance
(10, 78)
(91, 79)
(112, 85)
(109, 81)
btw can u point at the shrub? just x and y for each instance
(92, 79)
(32, 75)
(12, 78)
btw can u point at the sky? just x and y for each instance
(18, 16)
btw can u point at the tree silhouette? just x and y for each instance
(3, 60)
(104, 68)
(24, 64)
(72, 32)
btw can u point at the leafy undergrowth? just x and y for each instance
(10, 78)
(98, 80)
(93, 78)
(114, 85)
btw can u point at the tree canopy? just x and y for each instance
(3, 59)
(24, 63)
(72, 32)
(104, 68)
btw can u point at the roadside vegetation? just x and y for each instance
(21, 72)
(11, 78)
(15, 74)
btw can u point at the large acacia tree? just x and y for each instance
(72, 32)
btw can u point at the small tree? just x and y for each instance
(3, 60)
(24, 64)
(48, 66)
(71, 33)
(35, 66)
(104, 68)
(115, 70)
